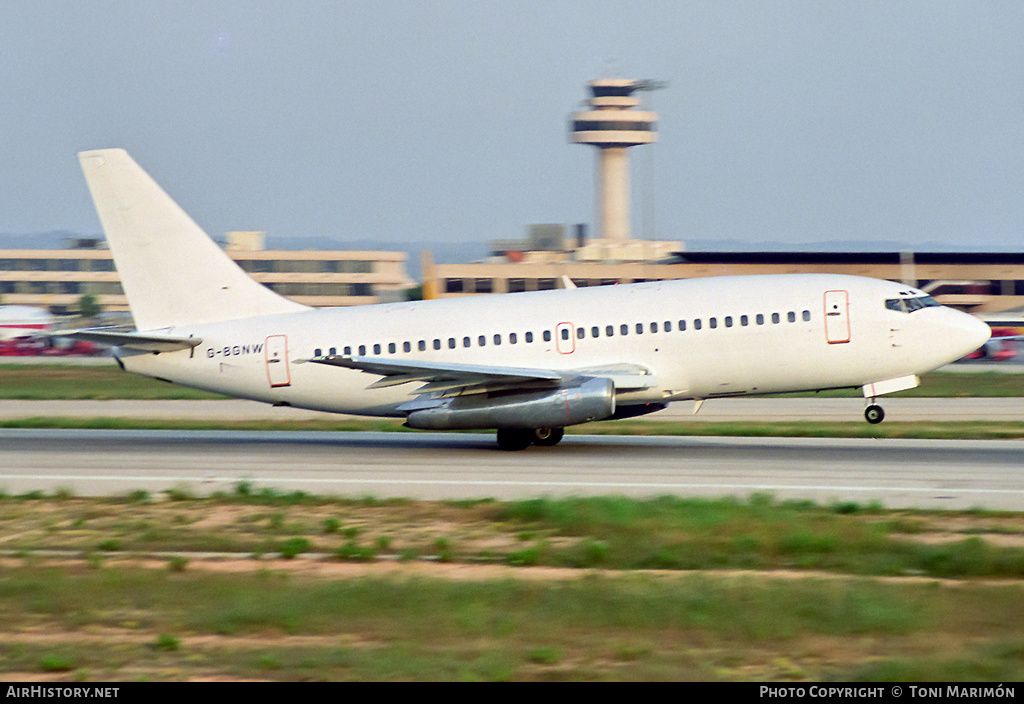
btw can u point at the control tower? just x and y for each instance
(613, 125)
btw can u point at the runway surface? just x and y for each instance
(895, 473)
(715, 410)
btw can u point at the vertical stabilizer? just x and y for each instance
(172, 272)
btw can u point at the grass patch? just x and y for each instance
(597, 628)
(672, 533)
(708, 618)
(760, 533)
(48, 382)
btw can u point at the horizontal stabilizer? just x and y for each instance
(147, 342)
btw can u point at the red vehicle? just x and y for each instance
(1002, 346)
(27, 347)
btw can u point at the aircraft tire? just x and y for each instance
(514, 439)
(547, 437)
(874, 414)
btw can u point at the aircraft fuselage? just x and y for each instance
(699, 339)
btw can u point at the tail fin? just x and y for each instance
(172, 272)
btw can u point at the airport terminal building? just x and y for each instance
(56, 279)
(969, 281)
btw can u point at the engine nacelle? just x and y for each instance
(593, 399)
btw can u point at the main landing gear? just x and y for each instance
(874, 414)
(513, 439)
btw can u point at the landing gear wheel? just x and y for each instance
(874, 414)
(514, 439)
(546, 437)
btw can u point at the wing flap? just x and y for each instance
(445, 378)
(398, 371)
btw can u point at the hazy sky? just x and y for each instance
(396, 121)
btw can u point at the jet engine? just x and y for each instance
(588, 399)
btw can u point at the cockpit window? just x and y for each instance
(909, 305)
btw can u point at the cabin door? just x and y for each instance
(837, 317)
(277, 361)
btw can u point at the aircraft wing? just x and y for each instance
(447, 377)
(148, 342)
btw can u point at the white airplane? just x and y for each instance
(24, 322)
(525, 364)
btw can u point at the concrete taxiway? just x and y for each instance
(895, 473)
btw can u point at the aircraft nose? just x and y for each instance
(972, 332)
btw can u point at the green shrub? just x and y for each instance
(292, 547)
(352, 552)
(177, 563)
(166, 641)
(53, 662)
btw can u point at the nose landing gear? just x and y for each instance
(874, 414)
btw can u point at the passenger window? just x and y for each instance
(728, 321)
(333, 351)
(775, 317)
(744, 321)
(482, 340)
(807, 315)
(639, 328)
(362, 350)
(580, 333)
(437, 344)
(466, 342)
(512, 338)
(565, 333)
(497, 339)
(759, 319)
(422, 345)
(391, 347)
(376, 349)
(547, 336)
(696, 324)
(317, 352)
(347, 351)
(609, 331)
(791, 316)
(713, 323)
(654, 327)
(407, 346)
(623, 329)
(528, 337)
(668, 326)
(682, 326)
(595, 331)
(451, 343)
